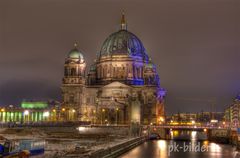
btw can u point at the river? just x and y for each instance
(163, 149)
(182, 149)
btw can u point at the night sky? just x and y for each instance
(194, 43)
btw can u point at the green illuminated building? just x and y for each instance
(34, 105)
(29, 111)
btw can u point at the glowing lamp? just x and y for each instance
(26, 112)
(46, 114)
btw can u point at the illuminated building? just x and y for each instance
(232, 113)
(200, 117)
(121, 86)
(29, 111)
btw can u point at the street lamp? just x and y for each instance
(26, 112)
(63, 110)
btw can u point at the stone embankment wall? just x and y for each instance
(117, 150)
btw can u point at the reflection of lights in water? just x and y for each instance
(194, 135)
(175, 133)
(162, 144)
(214, 147)
(205, 142)
(162, 147)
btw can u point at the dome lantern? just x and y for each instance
(123, 22)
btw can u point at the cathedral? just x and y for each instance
(122, 85)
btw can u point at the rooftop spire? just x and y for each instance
(75, 45)
(123, 22)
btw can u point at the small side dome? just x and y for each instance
(150, 65)
(75, 54)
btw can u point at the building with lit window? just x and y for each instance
(203, 118)
(121, 86)
(232, 113)
(30, 112)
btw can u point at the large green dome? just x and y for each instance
(123, 42)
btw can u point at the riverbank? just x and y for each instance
(70, 141)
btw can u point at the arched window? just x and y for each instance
(73, 72)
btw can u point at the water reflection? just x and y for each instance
(214, 148)
(161, 148)
(188, 135)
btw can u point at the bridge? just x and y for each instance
(89, 125)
